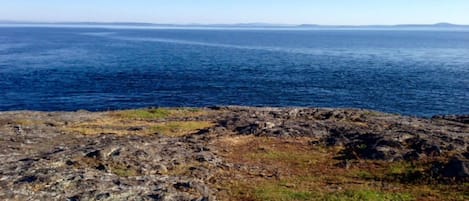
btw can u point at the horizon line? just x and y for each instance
(227, 24)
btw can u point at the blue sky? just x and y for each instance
(332, 12)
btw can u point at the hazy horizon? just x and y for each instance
(334, 12)
(220, 24)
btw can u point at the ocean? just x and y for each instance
(409, 72)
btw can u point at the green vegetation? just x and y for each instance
(280, 193)
(362, 174)
(27, 122)
(124, 172)
(170, 122)
(293, 170)
(407, 172)
(274, 191)
(400, 168)
(366, 195)
(180, 128)
(285, 156)
(145, 114)
(159, 113)
(362, 146)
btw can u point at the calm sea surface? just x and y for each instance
(419, 73)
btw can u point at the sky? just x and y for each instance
(324, 12)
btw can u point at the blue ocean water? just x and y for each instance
(420, 73)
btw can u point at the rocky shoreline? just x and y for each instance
(214, 153)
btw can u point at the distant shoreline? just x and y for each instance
(246, 26)
(451, 117)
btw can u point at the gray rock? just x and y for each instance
(111, 167)
(457, 167)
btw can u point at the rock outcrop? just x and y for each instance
(43, 160)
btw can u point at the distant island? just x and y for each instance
(237, 25)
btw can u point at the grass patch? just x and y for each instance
(145, 114)
(362, 174)
(159, 113)
(180, 128)
(108, 125)
(280, 193)
(27, 122)
(124, 172)
(407, 172)
(170, 122)
(366, 195)
(400, 168)
(293, 169)
(171, 128)
(288, 157)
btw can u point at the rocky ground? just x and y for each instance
(232, 153)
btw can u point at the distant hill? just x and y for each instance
(239, 25)
(432, 25)
(438, 25)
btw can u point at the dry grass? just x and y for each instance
(159, 113)
(116, 168)
(293, 169)
(180, 128)
(143, 122)
(171, 129)
(109, 125)
(123, 171)
(27, 122)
